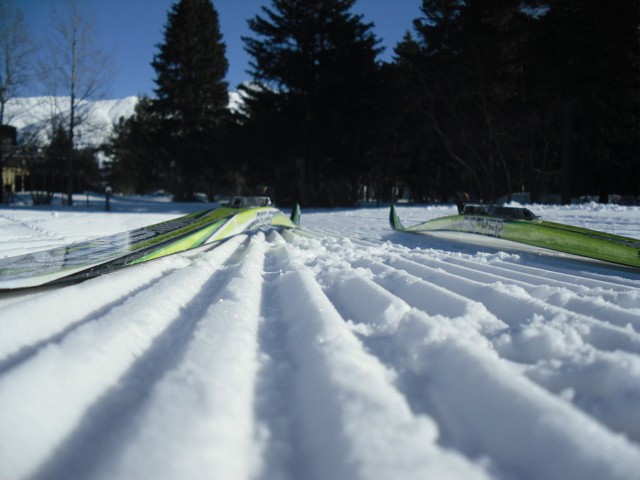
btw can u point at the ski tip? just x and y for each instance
(295, 215)
(394, 220)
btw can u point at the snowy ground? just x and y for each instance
(351, 352)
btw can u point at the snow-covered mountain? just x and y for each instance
(32, 116)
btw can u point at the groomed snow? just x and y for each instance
(346, 351)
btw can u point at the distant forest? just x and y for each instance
(486, 97)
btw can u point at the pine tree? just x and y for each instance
(140, 163)
(192, 95)
(315, 93)
(587, 71)
(467, 79)
(539, 95)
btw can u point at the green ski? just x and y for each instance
(522, 226)
(102, 255)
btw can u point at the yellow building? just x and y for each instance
(14, 176)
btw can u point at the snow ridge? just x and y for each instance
(347, 351)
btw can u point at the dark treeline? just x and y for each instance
(485, 97)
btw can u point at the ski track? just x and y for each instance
(346, 351)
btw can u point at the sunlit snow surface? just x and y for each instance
(348, 352)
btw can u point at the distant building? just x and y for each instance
(14, 175)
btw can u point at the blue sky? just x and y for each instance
(131, 29)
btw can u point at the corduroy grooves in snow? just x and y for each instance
(346, 351)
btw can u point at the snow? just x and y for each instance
(344, 351)
(32, 117)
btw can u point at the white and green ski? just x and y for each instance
(102, 255)
(522, 226)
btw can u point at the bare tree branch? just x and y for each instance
(75, 70)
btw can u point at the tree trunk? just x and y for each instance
(568, 127)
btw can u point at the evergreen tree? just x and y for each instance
(415, 151)
(48, 172)
(466, 76)
(140, 163)
(314, 100)
(192, 95)
(540, 96)
(586, 71)
(48, 167)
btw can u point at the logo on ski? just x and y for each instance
(491, 227)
